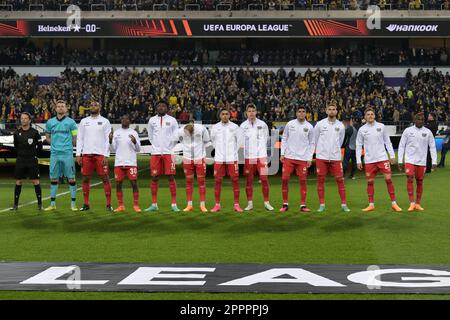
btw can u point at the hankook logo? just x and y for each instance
(412, 27)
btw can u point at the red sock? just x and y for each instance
(370, 190)
(119, 197)
(249, 187)
(235, 181)
(189, 188)
(173, 191)
(86, 189)
(410, 188)
(217, 189)
(341, 189)
(285, 189)
(321, 188)
(303, 191)
(136, 198)
(154, 186)
(419, 190)
(390, 187)
(265, 187)
(107, 188)
(202, 188)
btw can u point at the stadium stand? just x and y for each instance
(199, 93)
(28, 54)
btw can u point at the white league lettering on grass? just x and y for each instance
(145, 276)
(440, 278)
(51, 275)
(270, 276)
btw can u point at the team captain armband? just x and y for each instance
(74, 132)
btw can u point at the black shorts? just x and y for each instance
(27, 168)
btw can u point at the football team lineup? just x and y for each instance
(94, 140)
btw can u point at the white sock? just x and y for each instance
(343, 205)
(154, 204)
(189, 203)
(202, 203)
(394, 202)
(372, 204)
(412, 203)
(250, 203)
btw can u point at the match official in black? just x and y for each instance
(27, 142)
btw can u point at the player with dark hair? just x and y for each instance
(27, 142)
(226, 138)
(413, 147)
(297, 149)
(375, 139)
(126, 144)
(162, 133)
(255, 137)
(93, 152)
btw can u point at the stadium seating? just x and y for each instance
(362, 55)
(199, 93)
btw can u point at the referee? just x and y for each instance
(27, 142)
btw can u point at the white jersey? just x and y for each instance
(255, 137)
(194, 145)
(375, 140)
(93, 136)
(126, 151)
(329, 137)
(226, 139)
(162, 133)
(297, 142)
(414, 146)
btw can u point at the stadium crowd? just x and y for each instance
(228, 4)
(196, 93)
(28, 54)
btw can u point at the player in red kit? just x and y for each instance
(93, 152)
(297, 148)
(226, 138)
(375, 139)
(329, 135)
(413, 147)
(255, 137)
(126, 144)
(162, 133)
(194, 137)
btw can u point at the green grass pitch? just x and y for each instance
(333, 237)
